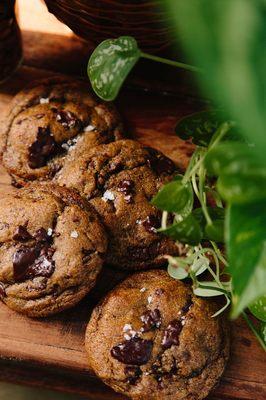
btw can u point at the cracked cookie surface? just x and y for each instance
(49, 121)
(152, 338)
(120, 179)
(52, 247)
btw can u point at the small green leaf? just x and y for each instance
(208, 289)
(200, 126)
(200, 265)
(215, 231)
(187, 231)
(175, 197)
(110, 63)
(177, 272)
(258, 308)
(246, 247)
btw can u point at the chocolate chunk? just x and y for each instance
(159, 162)
(151, 320)
(2, 291)
(21, 234)
(22, 259)
(187, 306)
(43, 265)
(133, 374)
(135, 351)
(127, 188)
(151, 223)
(43, 148)
(15, 184)
(42, 236)
(171, 334)
(115, 167)
(67, 119)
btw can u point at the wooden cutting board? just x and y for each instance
(50, 352)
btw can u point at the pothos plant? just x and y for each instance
(225, 235)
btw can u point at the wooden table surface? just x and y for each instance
(50, 352)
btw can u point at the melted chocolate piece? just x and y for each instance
(43, 148)
(42, 236)
(2, 291)
(21, 234)
(171, 334)
(151, 320)
(135, 351)
(133, 374)
(43, 265)
(127, 188)
(159, 163)
(151, 223)
(22, 260)
(67, 119)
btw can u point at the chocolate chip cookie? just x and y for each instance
(119, 180)
(152, 338)
(48, 121)
(52, 247)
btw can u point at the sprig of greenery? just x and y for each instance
(112, 61)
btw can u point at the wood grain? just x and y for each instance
(50, 352)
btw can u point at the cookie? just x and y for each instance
(52, 247)
(152, 338)
(48, 121)
(120, 179)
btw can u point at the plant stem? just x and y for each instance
(170, 62)
(254, 330)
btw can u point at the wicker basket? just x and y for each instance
(96, 20)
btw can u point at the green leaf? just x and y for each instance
(175, 197)
(215, 231)
(258, 308)
(208, 289)
(187, 231)
(110, 63)
(242, 177)
(246, 248)
(235, 154)
(241, 188)
(200, 127)
(176, 272)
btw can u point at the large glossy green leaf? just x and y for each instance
(187, 231)
(110, 63)
(227, 40)
(246, 248)
(175, 197)
(199, 127)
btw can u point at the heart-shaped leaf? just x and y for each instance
(187, 231)
(200, 127)
(175, 197)
(110, 63)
